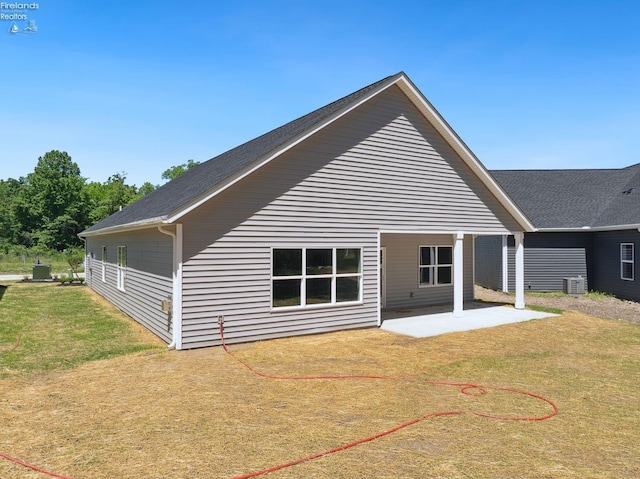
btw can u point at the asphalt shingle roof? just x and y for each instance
(561, 199)
(196, 182)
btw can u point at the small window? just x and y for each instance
(435, 265)
(104, 264)
(121, 270)
(626, 261)
(315, 276)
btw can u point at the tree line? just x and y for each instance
(51, 205)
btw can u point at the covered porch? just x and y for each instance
(423, 269)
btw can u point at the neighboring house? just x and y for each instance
(370, 202)
(587, 227)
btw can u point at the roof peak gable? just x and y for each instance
(178, 197)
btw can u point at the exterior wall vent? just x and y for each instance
(573, 285)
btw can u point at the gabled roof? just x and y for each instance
(176, 198)
(576, 199)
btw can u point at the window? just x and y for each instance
(315, 276)
(436, 265)
(626, 261)
(121, 267)
(104, 264)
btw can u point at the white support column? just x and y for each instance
(519, 271)
(505, 264)
(176, 296)
(177, 288)
(458, 274)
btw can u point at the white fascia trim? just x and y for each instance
(448, 232)
(589, 228)
(467, 155)
(139, 225)
(174, 216)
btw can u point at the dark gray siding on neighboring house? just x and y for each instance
(548, 258)
(606, 275)
(488, 261)
(380, 167)
(148, 276)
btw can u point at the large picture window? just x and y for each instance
(626, 261)
(121, 267)
(315, 276)
(435, 265)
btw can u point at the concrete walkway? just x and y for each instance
(421, 324)
(13, 277)
(20, 277)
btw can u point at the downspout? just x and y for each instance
(379, 276)
(176, 300)
(90, 276)
(519, 238)
(458, 274)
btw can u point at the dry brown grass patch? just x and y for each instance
(200, 414)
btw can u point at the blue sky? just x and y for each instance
(138, 86)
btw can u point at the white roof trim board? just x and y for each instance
(138, 225)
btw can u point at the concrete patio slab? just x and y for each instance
(422, 325)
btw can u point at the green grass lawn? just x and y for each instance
(44, 327)
(18, 264)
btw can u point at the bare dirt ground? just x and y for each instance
(609, 307)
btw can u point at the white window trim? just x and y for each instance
(627, 261)
(434, 266)
(103, 271)
(334, 275)
(121, 270)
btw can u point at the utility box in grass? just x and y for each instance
(41, 272)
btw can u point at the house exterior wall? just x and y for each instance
(548, 258)
(402, 281)
(380, 167)
(488, 262)
(606, 275)
(148, 276)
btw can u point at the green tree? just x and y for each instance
(145, 189)
(175, 171)
(52, 204)
(10, 226)
(106, 198)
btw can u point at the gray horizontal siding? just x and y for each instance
(545, 268)
(606, 275)
(380, 167)
(402, 288)
(550, 257)
(148, 276)
(488, 261)
(243, 298)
